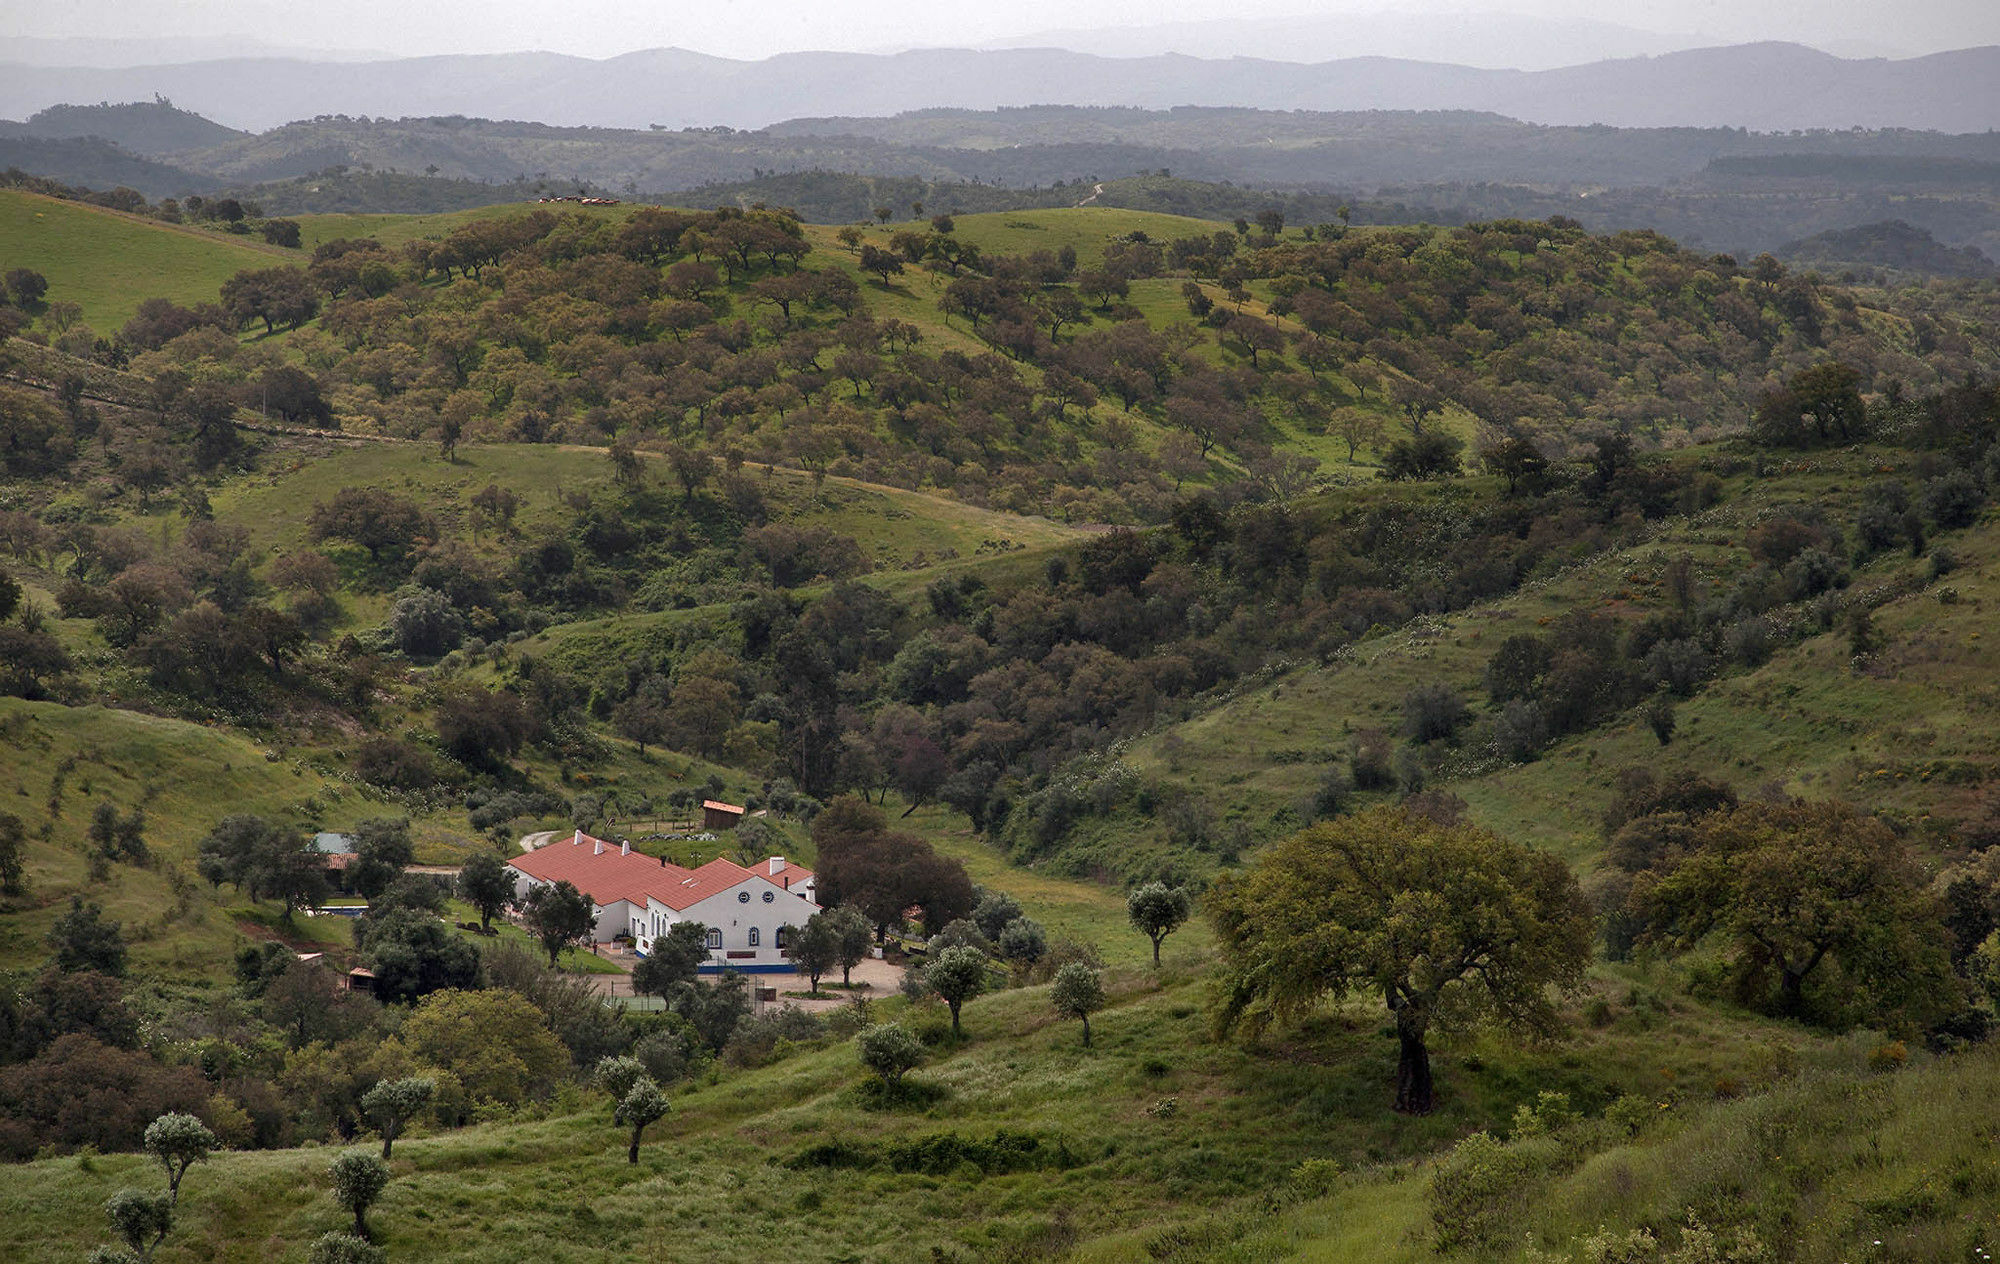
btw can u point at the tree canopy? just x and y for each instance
(1447, 924)
(1824, 911)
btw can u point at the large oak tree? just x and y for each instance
(1450, 925)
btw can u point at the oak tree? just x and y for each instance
(1449, 924)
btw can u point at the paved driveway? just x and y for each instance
(882, 979)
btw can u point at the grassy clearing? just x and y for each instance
(107, 262)
(1085, 228)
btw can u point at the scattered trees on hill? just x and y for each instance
(1156, 911)
(264, 861)
(1448, 924)
(392, 1104)
(1078, 993)
(957, 975)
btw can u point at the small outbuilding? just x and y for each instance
(717, 815)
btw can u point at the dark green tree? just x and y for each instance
(82, 939)
(382, 851)
(13, 846)
(1448, 924)
(1801, 891)
(142, 1221)
(391, 1104)
(558, 916)
(673, 962)
(485, 882)
(813, 949)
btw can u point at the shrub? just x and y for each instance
(1678, 666)
(1953, 499)
(1813, 572)
(1315, 1178)
(890, 1051)
(1749, 641)
(343, 1248)
(424, 624)
(1476, 1189)
(1520, 731)
(1369, 760)
(1433, 712)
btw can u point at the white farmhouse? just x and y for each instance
(745, 910)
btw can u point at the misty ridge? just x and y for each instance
(1762, 87)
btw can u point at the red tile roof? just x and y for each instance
(610, 875)
(717, 805)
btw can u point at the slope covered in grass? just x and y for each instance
(107, 262)
(1908, 729)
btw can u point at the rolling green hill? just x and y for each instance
(618, 525)
(107, 262)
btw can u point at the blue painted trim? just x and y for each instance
(784, 968)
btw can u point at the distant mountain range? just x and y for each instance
(1713, 188)
(1762, 87)
(1499, 41)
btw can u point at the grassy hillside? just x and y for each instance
(1909, 731)
(64, 761)
(107, 262)
(1137, 1134)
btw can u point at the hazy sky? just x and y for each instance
(758, 28)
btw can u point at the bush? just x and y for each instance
(1813, 572)
(1749, 641)
(1678, 666)
(1369, 760)
(1433, 712)
(343, 1248)
(1478, 1187)
(1953, 499)
(1520, 731)
(1315, 1178)
(771, 1036)
(890, 1051)
(424, 624)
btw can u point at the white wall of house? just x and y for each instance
(748, 926)
(613, 919)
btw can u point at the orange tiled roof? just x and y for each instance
(609, 875)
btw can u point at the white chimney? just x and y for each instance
(576, 839)
(598, 849)
(777, 864)
(625, 849)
